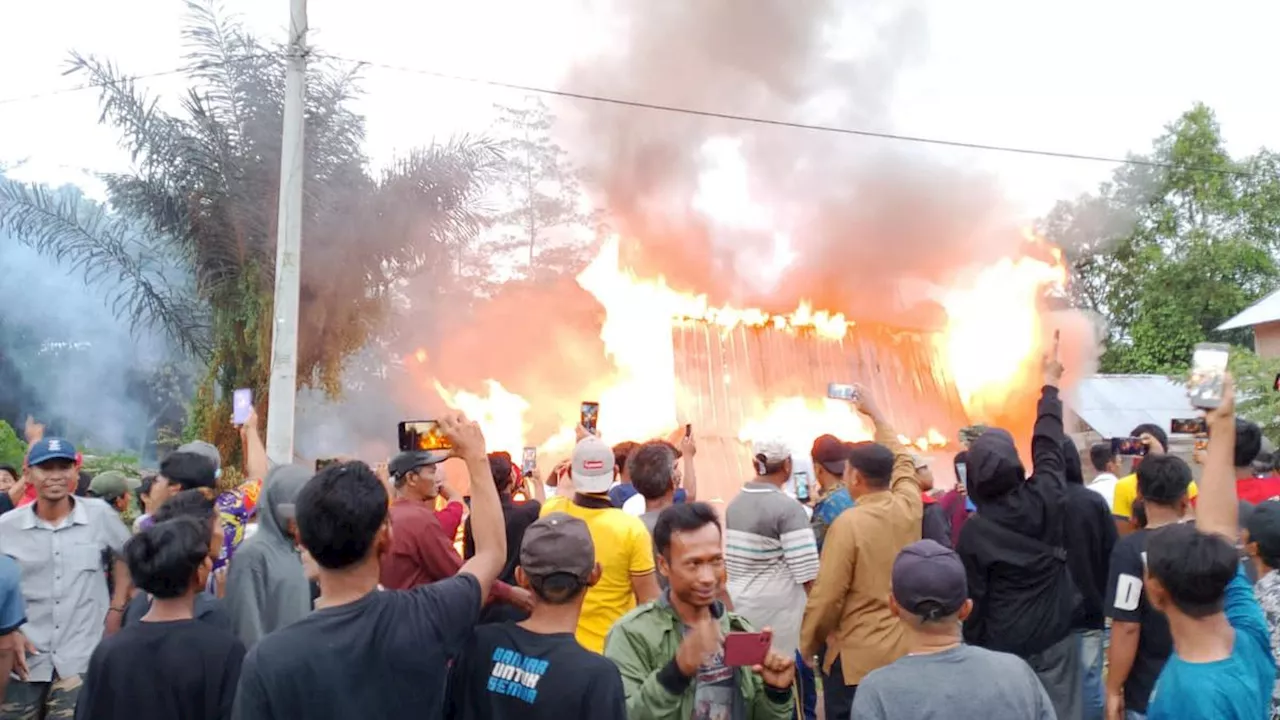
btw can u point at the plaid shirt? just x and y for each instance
(1268, 591)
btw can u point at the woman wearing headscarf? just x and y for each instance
(267, 587)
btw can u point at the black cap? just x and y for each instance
(1263, 525)
(929, 580)
(831, 453)
(409, 461)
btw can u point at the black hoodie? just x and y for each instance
(1091, 534)
(1013, 548)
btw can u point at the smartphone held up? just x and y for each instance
(842, 391)
(746, 649)
(241, 406)
(1208, 375)
(1130, 446)
(590, 417)
(418, 435)
(530, 460)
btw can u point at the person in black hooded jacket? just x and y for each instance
(1014, 552)
(1090, 536)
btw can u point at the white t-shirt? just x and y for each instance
(1105, 485)
(634, 505)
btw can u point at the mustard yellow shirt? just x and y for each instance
(623, 549)
(1127, 492)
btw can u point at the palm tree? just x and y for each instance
(191, 229)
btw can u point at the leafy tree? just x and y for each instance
(1167, 252)
(1256, 397)
(12, 449)
(542, 191)
(204, 190)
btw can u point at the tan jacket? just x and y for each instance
(849, 602)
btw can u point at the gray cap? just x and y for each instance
(558, 543)
(205, 450)
(929, 580)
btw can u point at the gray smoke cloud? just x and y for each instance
(860, 213)
(67, 359)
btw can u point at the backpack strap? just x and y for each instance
(1056, 552)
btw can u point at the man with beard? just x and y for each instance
(1014, 552)
(671, 651)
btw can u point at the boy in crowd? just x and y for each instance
(366, 653)
(671, 652)
(1262, 544)
(535, 669)
(931, 598)
(829, 455)
(1126, 491)
(169, 665)
(1140, 640)
(1105, 466)
(1221, 668)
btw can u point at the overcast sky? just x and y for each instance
(1083, 76)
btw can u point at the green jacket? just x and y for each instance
(645, 640)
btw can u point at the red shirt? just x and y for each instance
(420, 552)
(1256, 490)
(450, 517)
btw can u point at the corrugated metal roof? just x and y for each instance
(1115, 404)
(1264, 311)
(724, 376)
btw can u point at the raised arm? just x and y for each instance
(1218, 508)
(487, 526)
(255, 451)
(1049, 467)
(903, 480)
(688, 448)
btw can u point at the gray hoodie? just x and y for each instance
(266, 585)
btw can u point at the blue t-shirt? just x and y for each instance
(13, 610)
(1237, 688)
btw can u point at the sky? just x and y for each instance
(1084, 76)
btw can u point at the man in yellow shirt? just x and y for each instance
(624, 549)
(1157, 442)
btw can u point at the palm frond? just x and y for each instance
(146, 131)
(84, 237)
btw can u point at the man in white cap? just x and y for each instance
(771, 554)
(623, 547)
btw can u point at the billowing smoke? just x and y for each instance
(68, 361)
(836, 218)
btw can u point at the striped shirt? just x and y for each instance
(770, 553)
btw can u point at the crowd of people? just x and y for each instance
(613, 592)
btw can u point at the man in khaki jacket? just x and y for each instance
(848, 607)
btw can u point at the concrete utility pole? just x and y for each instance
(284, 338)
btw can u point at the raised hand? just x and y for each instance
(466, 436)
(1052, 365)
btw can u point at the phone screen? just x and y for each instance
(1208, 373)
(1187, 426)
(530, 460)
(591, 416)
(323, 463)
(841, 391)
(241, 406)
(1131, 446)
(422, 435)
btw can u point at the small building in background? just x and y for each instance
(1264, 317)
(1102, 407)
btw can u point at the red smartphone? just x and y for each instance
(743, 649)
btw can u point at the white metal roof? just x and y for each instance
(1264, 311)
(1115, 404)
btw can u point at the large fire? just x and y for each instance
(990, 345)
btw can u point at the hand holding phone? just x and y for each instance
(1188, 426)
(241, 406)
(590, 417)
(1208, 375)
(416, 435)
(1131, 446)
(744, 649)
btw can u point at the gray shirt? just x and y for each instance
(650, 520)
(64, 581)
(963, 682)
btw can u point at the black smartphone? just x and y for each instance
(323, 463)
(1188, 426)
(688, 430)
(590, 417)
(1131, 446)
(422, 435)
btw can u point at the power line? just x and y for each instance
(131, 78)
(795, 125)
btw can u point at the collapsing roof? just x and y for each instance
(1113, 405)
(725, 375)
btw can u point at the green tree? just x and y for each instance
(12, 449)
(544, 198)
(1167, 252)
(203, 192)
(1256, 397)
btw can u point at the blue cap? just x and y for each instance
(52, 448)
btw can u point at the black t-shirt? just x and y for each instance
(208, 609)
(517, 517)
(382, 656)
(183, 669)
(1126, 602)
(506, 671)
